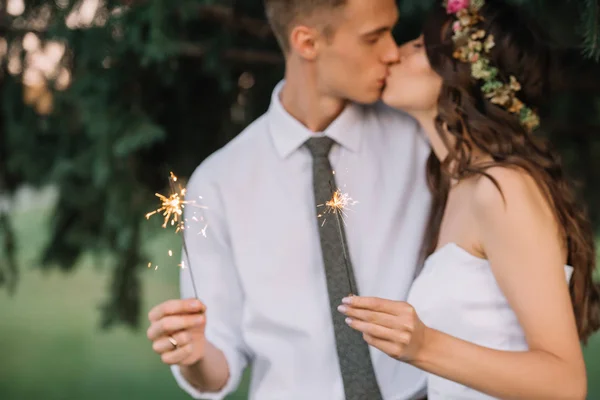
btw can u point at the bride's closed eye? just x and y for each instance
(418, 43)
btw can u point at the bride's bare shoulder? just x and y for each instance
(508, 192)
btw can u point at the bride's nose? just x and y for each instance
(402, 52)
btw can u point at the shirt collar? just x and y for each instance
(289, 134)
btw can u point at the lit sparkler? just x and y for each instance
(340, 202)
(338, 205)
(172, 210)
(172, 206)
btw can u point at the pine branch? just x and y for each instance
(9, 273)
(227, 17)
(224, 15)
(221, 14)
(590, 20)
(237, 55)
(124, 303)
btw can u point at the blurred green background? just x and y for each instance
(99, 100)
(51, 344)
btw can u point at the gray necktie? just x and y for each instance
(353, 352)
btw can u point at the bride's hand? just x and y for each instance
(391, 326)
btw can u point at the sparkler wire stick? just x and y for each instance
(172, 180)
(189, 267)
(343, 242)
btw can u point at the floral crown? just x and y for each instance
(472, 45)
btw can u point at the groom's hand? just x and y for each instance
(391, 326)
(177, 331)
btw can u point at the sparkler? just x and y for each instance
(172, 210)
(338, 205)
(172, 206)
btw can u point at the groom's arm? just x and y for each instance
(209, 375)
(210, 263)
(177, 335)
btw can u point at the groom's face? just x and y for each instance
(354, 61)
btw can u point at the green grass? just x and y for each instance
(51, 347)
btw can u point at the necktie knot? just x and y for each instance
(319, 146)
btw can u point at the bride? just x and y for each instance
(506, 292)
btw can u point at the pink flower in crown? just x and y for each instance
(456, 26)
(455, 6)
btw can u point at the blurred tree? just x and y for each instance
(101, 98)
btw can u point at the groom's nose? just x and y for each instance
(391, 54)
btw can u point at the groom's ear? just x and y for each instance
(304, 41)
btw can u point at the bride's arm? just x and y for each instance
(521, 240)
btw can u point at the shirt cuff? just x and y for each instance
(236, 364)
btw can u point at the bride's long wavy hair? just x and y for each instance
(472, 120)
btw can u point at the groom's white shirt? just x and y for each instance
(259, 268)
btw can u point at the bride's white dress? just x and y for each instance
(456, 293)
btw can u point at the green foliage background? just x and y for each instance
(157, 85)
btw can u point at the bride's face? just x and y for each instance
(412, 85)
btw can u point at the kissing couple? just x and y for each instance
(463, 272)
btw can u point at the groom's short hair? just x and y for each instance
(282, 14)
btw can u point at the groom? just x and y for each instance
(270, 270)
